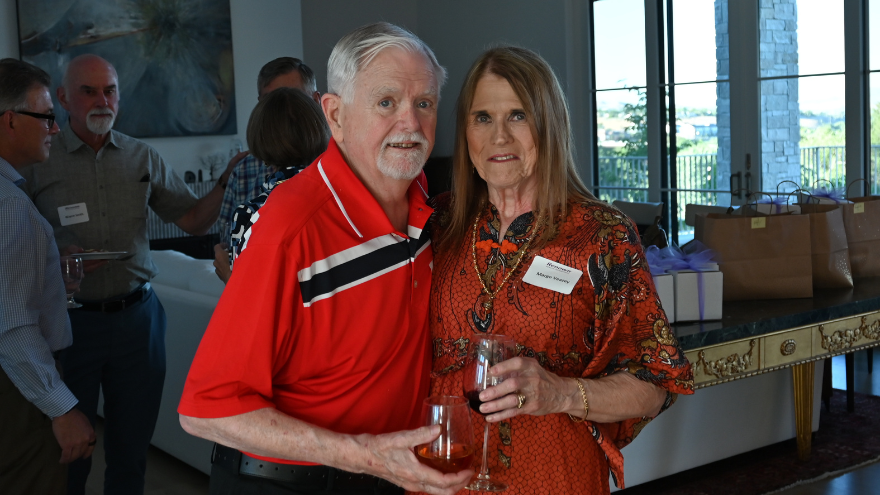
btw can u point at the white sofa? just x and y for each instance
(189, 291)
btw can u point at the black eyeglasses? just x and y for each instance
(50, 119)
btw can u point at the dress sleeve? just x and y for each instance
(630, 329)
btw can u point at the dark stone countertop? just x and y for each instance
(743, 319)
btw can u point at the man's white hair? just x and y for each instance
(357, 49)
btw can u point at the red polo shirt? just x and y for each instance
(325, 317)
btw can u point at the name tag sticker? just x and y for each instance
(759, 222)
(551, 275)
(859, 208)
(73, 214)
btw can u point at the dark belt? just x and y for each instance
(117, 305)
(304, 477)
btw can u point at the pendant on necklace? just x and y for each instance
(488, 305)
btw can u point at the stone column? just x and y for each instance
(722, 91)
(780, 126)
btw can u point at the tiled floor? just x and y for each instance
(168, 476)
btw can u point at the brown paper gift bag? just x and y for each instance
(828, 240)
(861, 221)
(762, 257)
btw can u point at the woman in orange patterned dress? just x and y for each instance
(593, 366)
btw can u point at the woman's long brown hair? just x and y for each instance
(537, 88)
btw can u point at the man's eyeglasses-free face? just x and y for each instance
(50, 119)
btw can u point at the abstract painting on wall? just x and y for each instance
(173, 58)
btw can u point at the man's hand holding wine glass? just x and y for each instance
(392, 457)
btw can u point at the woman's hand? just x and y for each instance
(544, 392)
(615, 397)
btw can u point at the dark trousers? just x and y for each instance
(123, 354)
(29, 453)
(225, 482)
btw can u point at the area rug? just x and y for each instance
(844, 441)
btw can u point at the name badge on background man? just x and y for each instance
(73, 214)
(551, 275)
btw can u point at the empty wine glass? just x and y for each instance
(485, 352)
(72, 274)
(453, 450)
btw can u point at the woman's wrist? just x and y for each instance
(580, 407)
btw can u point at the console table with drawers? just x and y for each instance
(757, 337)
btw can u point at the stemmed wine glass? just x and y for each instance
(485, 351)
(72, 274)
(453, 450)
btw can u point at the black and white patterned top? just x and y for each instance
(243, 217)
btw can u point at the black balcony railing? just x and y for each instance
(626, 178)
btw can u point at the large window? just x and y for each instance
(622, 140)
(874, 85)
(697, 89)
(803, 121)
(732, 95)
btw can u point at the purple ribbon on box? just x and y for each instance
(835, 194)
(655, 261)
(696, 256)
(779, 202)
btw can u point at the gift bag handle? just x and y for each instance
(853, 182)
(816, 184)
(797, 189)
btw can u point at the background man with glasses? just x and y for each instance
(40, 430)
(109, 180)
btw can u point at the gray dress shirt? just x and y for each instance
(117, 185)
(33, 304)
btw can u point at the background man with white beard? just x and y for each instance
(94, 190)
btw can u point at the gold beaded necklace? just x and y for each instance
(525, 248)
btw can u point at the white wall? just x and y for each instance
(261, 30)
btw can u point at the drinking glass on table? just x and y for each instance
(485, 351)
(453, 450)
(72, 274)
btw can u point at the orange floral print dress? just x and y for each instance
(612, 322)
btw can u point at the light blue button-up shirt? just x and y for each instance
(33, 303)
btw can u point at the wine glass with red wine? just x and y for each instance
(453, 450)
(485, 351)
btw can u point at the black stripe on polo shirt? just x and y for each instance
(416, 244)
(353, 272)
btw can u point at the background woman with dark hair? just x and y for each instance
(287, 131)
(593, 366)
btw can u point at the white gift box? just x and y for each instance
(665, 286)
(807, 199)
(687, 294)
(773, 209)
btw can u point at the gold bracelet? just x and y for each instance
(586, 403)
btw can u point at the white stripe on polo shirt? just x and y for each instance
(338, 201)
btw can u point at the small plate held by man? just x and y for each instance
(102, 255)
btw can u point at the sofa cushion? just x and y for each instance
(186, 273)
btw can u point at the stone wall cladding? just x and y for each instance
(722, 91)
(780, 128)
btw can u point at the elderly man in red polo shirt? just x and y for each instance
(311, 374)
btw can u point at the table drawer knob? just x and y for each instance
(788, 347)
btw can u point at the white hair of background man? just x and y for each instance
(357, 49)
